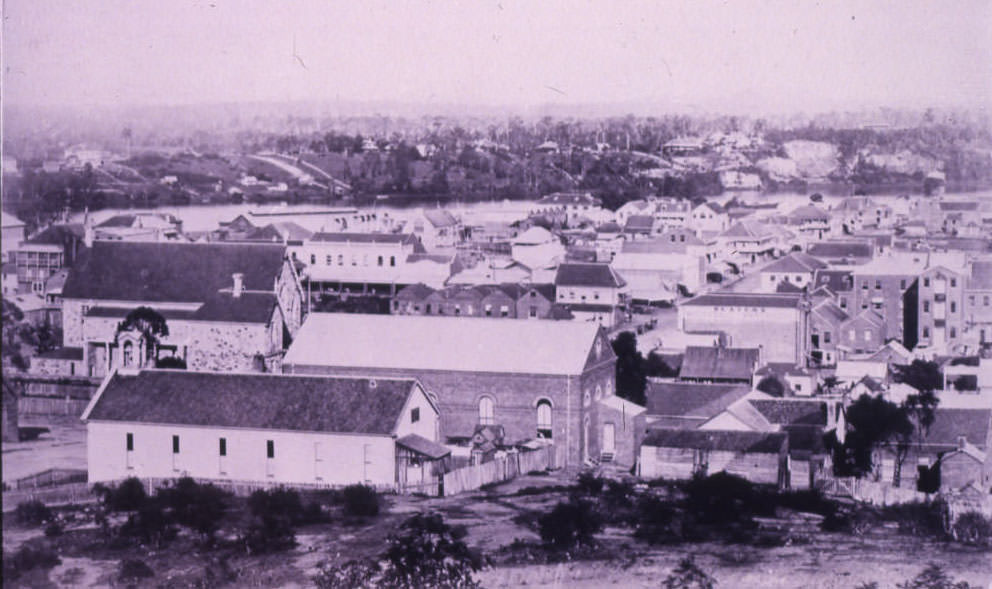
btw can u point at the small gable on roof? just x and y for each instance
(719, 363)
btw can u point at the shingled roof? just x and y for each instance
(796, 262)
(580, 274)
(689, 399)
(745, 299)
(710, 362)
(254, 401)
(734, 441)
(171, 272)
(792, 412)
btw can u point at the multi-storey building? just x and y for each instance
(41, 256)
(592, 292)
(775, 323)
(941, 317)
(978, 303)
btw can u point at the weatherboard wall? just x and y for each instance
(299, 457)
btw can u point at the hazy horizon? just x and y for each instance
(736, 58)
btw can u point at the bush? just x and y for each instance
(360, 501)
(570, 524)
(589, 483)
(720, 498)
(128, 496)
(267, 533)
(658, 521)
(132, 569)
(32, 554)
(150, 524)
(973, 528)
(918, 518)
(54, 529)
(32, 513)
(688, 576)
(198, 507)
(933, 577)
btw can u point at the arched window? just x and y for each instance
(487, 409)
(544, 419)
(128, 354)
(599, 392)
(586, 398)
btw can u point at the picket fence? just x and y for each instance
(505, 468)
(51, 477)
(72, 493)
(872, 492)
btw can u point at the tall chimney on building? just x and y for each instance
(239, 284)
(87, 229)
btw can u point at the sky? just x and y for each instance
(737, 56)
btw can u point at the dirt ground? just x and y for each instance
(494, 519)
(63, 447)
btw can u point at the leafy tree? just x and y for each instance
(771, 385)
(148, 322)
(631, 377)
(873, 422)
(688, 575)
(198, 507)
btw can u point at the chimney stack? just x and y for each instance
(962, 441)
(239, 284)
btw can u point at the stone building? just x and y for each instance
(592, 292)
(978, 303)
(514, 301)
(775, 323)
(226, 306)
(535, 378)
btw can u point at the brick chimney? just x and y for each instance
(239, 284)
(962, 442)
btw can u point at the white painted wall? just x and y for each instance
(342, 458)
(428, 426)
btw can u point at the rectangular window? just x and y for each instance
(826, 337)
(878, 285)
(340, 260)
(270, 449)
(392, 260)
(843, 303)
(867, 335)
(954, 332)
(954, 282)
(415, 415)
(504, 311)
(533, 311)
(222, 447)
(864, 285)
(926, 282)
(851, 335)
(926, 306)
(954, 307)
(985, 300)
(902, 284)
(380, 260)
(313, 259)
(129, 442)
(175, 444)
(926, 332)
(489, 310)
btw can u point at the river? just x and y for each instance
(208, 217)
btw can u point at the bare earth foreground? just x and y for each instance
(830, 560)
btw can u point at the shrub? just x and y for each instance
(128, 496)
(589, 483)
(268, 533)
(973, 528)
(32, 554)
(720, 498)
(198, 507)
(150, 524)
(132, 569)
(918, 518)
(657, 521)
(54, 529)
(933, 577)
(569, 524)
(280, 503)
(360, 501)
(426, 553)
(32, 513)
(688, 576)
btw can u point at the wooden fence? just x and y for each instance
(872, 492)
(51, 406)
(58, 495)
(501, 469)
(51, 477)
